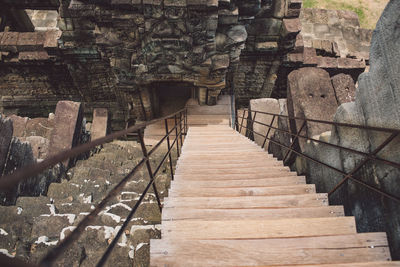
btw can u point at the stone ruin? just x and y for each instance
(117, 62)
(323, 93)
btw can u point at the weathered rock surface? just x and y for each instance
(345, 89)
(310, 95)
(67, 127)
(376, 104)
(36, 224)
(100, 123)
(268, 105)
(6, 133)
(281, 137)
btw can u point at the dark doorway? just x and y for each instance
(169, 97)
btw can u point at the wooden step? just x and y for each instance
(242, 170)
(227, 183)
(307, 200)
(347, 248)
(248, 229)
(230, 176)
(232, 204)
(357, 264)
(199, 165)
(242, 191)
(249, 214)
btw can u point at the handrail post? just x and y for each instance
(186, 122)
(241, 123)
(176, 136)
(169, 148)
(252, 124)
(144, 151)
(269, 129)
(180, 129)
(294, 141)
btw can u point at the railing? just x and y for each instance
(9, 181)
(294, 147)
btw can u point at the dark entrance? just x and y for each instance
(169, 97)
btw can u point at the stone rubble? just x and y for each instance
(39, 223)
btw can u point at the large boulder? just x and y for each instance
(281, 137)
(377, 103)
(310, 95)
(268, 105)
(67, 128)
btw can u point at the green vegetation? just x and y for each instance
(368, 11)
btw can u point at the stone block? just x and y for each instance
(33, 56)
(100, 123)
(310, 95)
(9, 42)
(345, 89)
(40, 146)
(266, 46)
(291, 26)
(19, 125)
(67, 128)
(269, 105)
(220, 62)
(327, 62)
(6, 133)
(310, 56)
(27, 41)
(177, 3)
(349, 63)
(51, 39)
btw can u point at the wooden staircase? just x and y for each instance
(232, 204)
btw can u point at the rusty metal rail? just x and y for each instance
(9, 181)
(295, 148)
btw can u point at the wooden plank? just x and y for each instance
(241, 214)
(357, 264)
(241, 170)
(290, 180)
(242, 191)
(228, 165)
(249, 229)
(270, 252)
(307, 200)
(230, 176)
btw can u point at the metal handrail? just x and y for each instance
(8, 181)
(292, 148)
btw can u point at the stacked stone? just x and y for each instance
(272, 33)
(151, 41)
(35, 225)
(332, 40)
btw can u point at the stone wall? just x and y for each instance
(331, 40)
(271, 34)
(375, 103)
(114, 51)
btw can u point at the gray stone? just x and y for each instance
(6, 133)
(237, 34)
(344, 87)
(269, 105)
(310, 95)
(40, 146)
(100, 123)
(67, 128)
